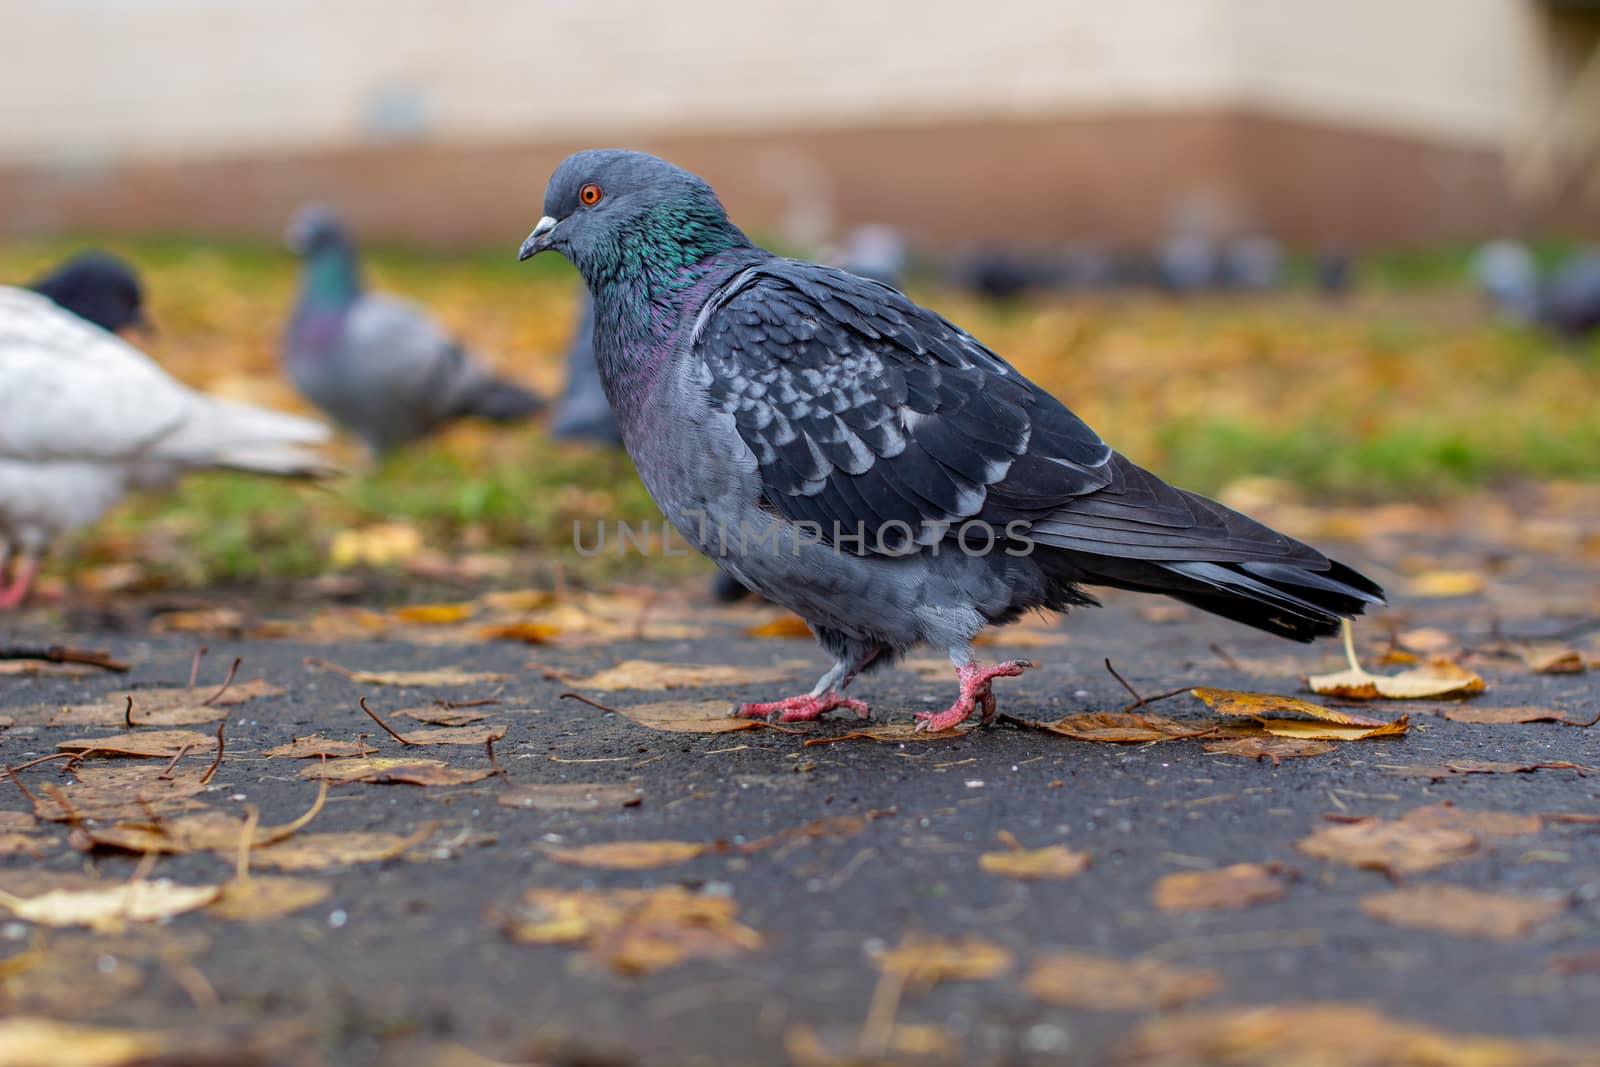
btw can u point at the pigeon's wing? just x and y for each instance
(867, 411)
(398, 350)
(70, 390)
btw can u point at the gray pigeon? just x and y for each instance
(378, 365)
(583, 413)
(85, 417)
(1567, 303)
(870, 466)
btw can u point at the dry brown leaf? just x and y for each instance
(441, 676)
(314, 852)
(1426, 641)
(630, 855)
(689, 717)
(1438, 677)
(1507, 716)
(258, 898)
(121, 792)
(155, 707)
(13, 843)
(316, 747)
(1302, 730)
(1268, 705)
(569, 796)
(1329, 1035)
(45, 668)
(1053, 862)
(108, 908)
(17, 821)
(646, 674)
(1101, 983)
(398, 770)
(633, 931)
(529, 633)
(1447, 816)
(1120, 728)
(208, 831)
(435, 614)
(1393, 847)
(1268, 747)
(782, 626)
(226, 622)
(898, 1045)
(1238, 886)
(1554, 660)
(441, 715)
(1454, 768)
(924, 962)
(456, 735)
(145, 744)
(1457, 910)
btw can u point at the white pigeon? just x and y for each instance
(85, 417)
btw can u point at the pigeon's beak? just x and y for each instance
(538, 240)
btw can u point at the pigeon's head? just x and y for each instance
(97, 287)
(601, 203)
(314, 228)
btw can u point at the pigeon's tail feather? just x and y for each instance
(235, 436)
(1297, 601)
(501, 401)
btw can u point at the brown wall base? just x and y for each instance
(1117, 178)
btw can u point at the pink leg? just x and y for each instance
(802, 708)
(21, 581)
(975, 695)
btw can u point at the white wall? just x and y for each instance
(86, 81)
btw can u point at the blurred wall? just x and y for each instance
(441, 119)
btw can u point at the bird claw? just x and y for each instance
(803, 708)
(976, 695)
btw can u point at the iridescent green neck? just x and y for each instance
(331, 278)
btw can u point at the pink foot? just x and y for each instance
(801, 708)
(18, 592)
(975, 694)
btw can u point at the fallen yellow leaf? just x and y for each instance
(927, 961)
(569, 796)
(151, 744)
(1446, 584)
(630, 855)
(632, 931)
(1101, 983)
(1436, 678)
(1053, 862)
(1238, 886)
(262, 898)
(689, 717)
(1389, 846)
(1268, 747)
(393, 770)
(1329, 1035)
(110, 907)
(435, 614)
(1457, 910)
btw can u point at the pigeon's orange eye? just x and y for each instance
(590, 194)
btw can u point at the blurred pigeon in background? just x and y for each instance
(85, 417)
(878, 252)
(767, 400)
(378, 365)
(1252, 263)
(583, 413)
(99, 288)
(1568, 303)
